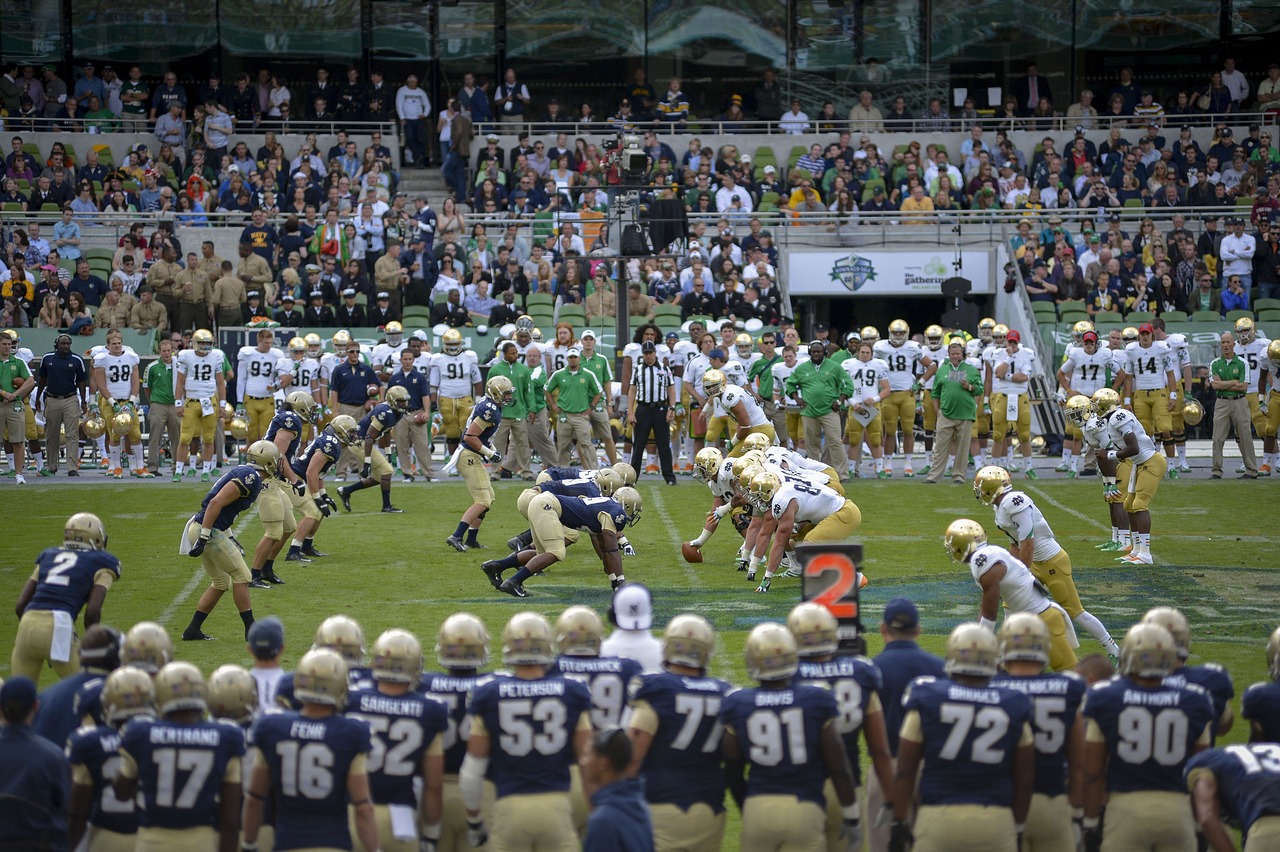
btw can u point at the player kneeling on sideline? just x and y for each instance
(320, 455)
(284, 490)
(377, 470)
(789, 505)
(475, 449)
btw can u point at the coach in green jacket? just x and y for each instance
(512, 437)
(822, 387)
(956, 388)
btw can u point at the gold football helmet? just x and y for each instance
(1078, 330)
(631, 503)
(500, 390)
(147, 646)
(527, 640)
(238, 426)
(971, 650)
(689, 640)
(870, 334)
(962, 538)
(1273, 654)
(394, 333)
(815, 629)
(985, 325)
(608, 481)
(228, 411)
(1129, 334)
(1193, 412)
(751, 458)
(1245, 330)
(265, 456)
(579, 632)
(297, 348)
(303, 404)
(84, 528)
(1273, 351)
(321, 678)
(763, 486)
(990, 483)
(123, 421)
(233, 694)
(1105, 400)
(757, 441)
(524, 323)
(315, 345)
(1078, 410)
(706, 464)
(1148, 650)
(341, 340)
(451, 342)
(627, 472)
(397, 657)
(346, 430)
(536, 334)
(202, 341)
(344, 635)
(180, 686)
(1176, 623)
(743, 344)
(713, 382)
(899, 331)
(463, 642)
(933, 336)
(999, 332)
(1037, 444)
(1023, 636)
(127, 692)
(771, 652)
(398, 397)
(744, 478)
(94, 426)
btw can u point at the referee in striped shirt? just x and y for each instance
(651, 401)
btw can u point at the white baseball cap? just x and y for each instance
(632, 607)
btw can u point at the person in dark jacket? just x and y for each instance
(620, 820)
(35, 787)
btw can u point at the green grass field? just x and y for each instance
(1214, 561)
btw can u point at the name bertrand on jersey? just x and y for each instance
(185, 736)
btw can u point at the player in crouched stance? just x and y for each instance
(1139, 469)
(1240, 783)
(787, 507)
(469, 458)
(1260, 704)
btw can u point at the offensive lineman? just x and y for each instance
(791, 503)
(320, 455)
(376, 470)
(284, 490)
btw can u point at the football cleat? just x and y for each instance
(259, 584)
(296, 557)
(312, 552)
(272, 577)
(345, 498)
(908, 472)
(514, 544)
(392, 510)
(493, 570)
(196, 636)
(454, 542)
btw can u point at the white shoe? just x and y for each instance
(790, 572)
(20, 479)
(1184, 467)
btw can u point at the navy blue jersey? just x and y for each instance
(570, 487)
(531, 725)
(970, 735)
(1261, 706)
(454, 692)
(1213, 679)
(682, 766)
(583, 513)
(180, 769)
(94, 755)
(856, 683)
(1248, 779)
(358, 677)
(88, 702)
(1150, 731)
(900, 663)
(327, 445)
(66, 575)
(289, 421)
(403, 728)
(489, 413)
(562, 473)
(309, 761)
(248, 481)
(780, 734)
(56, 718)
(384, 415)
(1056, 699)
(607, 678)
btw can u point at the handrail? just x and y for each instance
(122, 124)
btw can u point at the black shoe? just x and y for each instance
(493, 570)
(476, 545)
(672, 482)
(296, 557)
(197, 636)
(514, 544)
(272, 577)
(1089, 471)
(313, 553)
(345, 498)
(615, 584)
(392, 510)
(456, 543)
(1215, 476)
(504, 474)
(511, 587)
(73, 472)
(1246, 476)
(259, 584)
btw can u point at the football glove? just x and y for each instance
(366, 470)
(1111, 493)
(299, 488)
(742, 563)
(496, 457)
(628, 550)
(851, 835)
(323, 498)
(1062, 394)
(324, 509)
(477, 833)
(900, 837)
(915, 387)
(764, 584)
(426, 844)
(197, 548)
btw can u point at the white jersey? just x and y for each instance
(1022, 361)
(631, 352)
(734, 375)
(988, 356)
(1179, 354)
(1273, 373)
(695, 369)
(1119, 423)
(732, 395)
(303, 372)
(866, 377)
(454, 376)
(555, 357)
(901, 361)
(1020, 518)
(813, 503)
(386, 358)
(328, 362)
(200, 372)
(745, 363)
(1020, 590)
(1149, 365)
(724, 483)
(1087, 373)
(256, 373)
(937, 356)
(118, 372)
(1253, 353)
(423, 363)
(682, 353)
(1095, 435)
(781, 372)
(792, 463)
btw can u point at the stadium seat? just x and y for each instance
(1206, 316)
(417, 312)
(33, 150)
(1073, 314)
(1135, 317)
(12, 207)
(51, 207)
(1267, 305)
(1174, 316)
(1047, 309)
(534, 299)
(1232, 316)
(1269, 316)
(1133, 202)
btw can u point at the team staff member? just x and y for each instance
(1010, 404)
(1230, 377)
(571, 393)
(257, 385)
(413, 431)
(601, 367)
(539, 420)
(194, 291)
(651, 402)
(16, 385)
(35, 789)
(821, 387)
(957, 387)
(162, 416)
(349, 394)
(63, 395)
(512, 437)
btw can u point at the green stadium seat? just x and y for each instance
(540, 299)
(1232, 316)
(1272, 316)
(1174, 316)
(106, 254)
(1267, 305)
(1206, 316)
(1135, 317)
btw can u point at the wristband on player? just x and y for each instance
(1089, 823)
(987, 623)
(1173, 396)
(1128, 401)
(205, 532)
(851, 813)
(368, 459)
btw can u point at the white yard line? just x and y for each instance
(196, 580)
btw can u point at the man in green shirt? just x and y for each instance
(956, 389)
(598, 365)
(1229, 376)
(571, 393)
(539, 423)
(16, 385)
(512, 437)
(163, 416)
(822, 387)
(850, 350)
(99, 116)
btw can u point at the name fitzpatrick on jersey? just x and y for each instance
(531, 688)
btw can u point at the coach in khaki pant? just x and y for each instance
(822, 387)
(512, 437)
(571, 393)
(956, 389)
(1229, 376)
(162, 416)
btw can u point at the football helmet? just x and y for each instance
(536, 334)
(315, 346)
(127, 692)
(228, 411)
(899, 331)
(744, 478)
(771, 652)
(689, 640)
(202, 341)
(1192, 412)
(542, 477)
(985, 326)
(627, 472)
(1078, 410)
(1176, 623)
(1273, 654)
(1148, 650)
(265, 456)
(752, 458)
(1023, 636)
(463, 642)
(1105, 400)
(524, 323)
(341, 340)
(608, 481)
(743, 344)
(86, 529)
(94, 426)
(990, 483)
(1245, 330)
(394, 333)
(500, 390)
(713, 382)
(233, 694)
(815, 629)
(398, 398)
(1273, 351)
(346, 430)
(342, 634)
(180, 686)
(971, 650)
(1078, 330)
(706, 464)
(1129, 334)
(579, 632)
(870, 334)
(451, 342)
(527, 640)
(933, 336)
(757, 441)
(297, 348)
(321, 678)
(303, 404)
(238, 425)
(763, 486)
(147, 646)
(1037, 444)
(631, 503)
(962, 538)
(396, 657)
(999, 332)
(123, 421)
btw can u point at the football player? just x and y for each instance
(275, 506)
(1139, 735)
(408, 741)
(1057, 725)
(623, 469)
(855, 681)
(532, 810)
(184, 769)
(1261, 701)
(1240, 784)
(792, 462)
(455, 383)
(1148, 377)
(694, 369)
(200, 395)
(972, 746)
(721, 372)
(739, 404)
(146, 646)
(602, 483)
(475, 449)
(1180, 363)
(298, 371)
(1251, 346)
(1084, 371)
(207, 536)
(1139, 467)
(790, 503)
(1004, 577)
(386, 355)
(257, 383)
(1094, 440)
(782, 801)
(310, 467)
(381, 419)
(1210, 677)
(117, 380)
(1033, 543)
(936, 351)
(312, 763)
(56, 717)
(1269, 402)
(902, 355)
(787, 419)
(345, 637)
(870, 378)
(712, 468)
(991, 349)
(1012, 369)
(94, 753)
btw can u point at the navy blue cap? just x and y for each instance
(18, 697)
(901, 614)
(671, 334)
(716, 353)
(266, 637)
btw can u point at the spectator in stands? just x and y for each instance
(1215, 98)
(1205, 297)
(865, 117)
(451, 311)
(1104, 298)
(1236, 253)
(1235, 297)
(1168, 296)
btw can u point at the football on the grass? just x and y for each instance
(690, 553)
